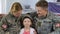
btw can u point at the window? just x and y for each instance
(0, 7)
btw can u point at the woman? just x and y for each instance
(10, 23)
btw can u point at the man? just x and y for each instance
(43, 18)
(10, 24)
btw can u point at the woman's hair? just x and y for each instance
(32, 25)
(16, 7)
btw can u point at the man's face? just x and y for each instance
(18, 13)
(41, 11)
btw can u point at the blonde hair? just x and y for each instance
(16, 7)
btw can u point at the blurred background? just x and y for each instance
(28, 5)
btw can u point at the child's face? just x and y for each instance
(27, 22)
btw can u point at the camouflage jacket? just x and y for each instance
(12, 22)
(56, 31)
(44, 24)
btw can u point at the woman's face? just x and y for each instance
(18, 13)
(27, 22)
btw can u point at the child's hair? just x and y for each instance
(27, 16)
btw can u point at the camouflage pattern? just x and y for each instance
(56, 29)
(44, 24)
(56, 32)
(13, 24)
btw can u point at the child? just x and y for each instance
(27, 23)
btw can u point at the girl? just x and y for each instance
(27, 23)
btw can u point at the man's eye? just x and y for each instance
(24, 21)
(38, 10)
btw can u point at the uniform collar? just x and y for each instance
(12, 15)
(42, 17)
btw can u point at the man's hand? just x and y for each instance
(58, 25)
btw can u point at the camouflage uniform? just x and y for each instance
(43, 24)
(56, 29)
(56, 32)
(13, 24)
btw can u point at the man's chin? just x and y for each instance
(17, 16)
(39, 15)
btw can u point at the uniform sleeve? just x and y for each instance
(3, 21)
(55, 20)
(51, 33)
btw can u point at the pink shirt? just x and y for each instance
(22, 31)
(28, 32)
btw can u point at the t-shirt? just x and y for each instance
(23, 32)
(28, 32)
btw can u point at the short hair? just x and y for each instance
(16, 7)
(43, 4)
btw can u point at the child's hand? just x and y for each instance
(4, 26)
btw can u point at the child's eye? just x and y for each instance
(28, 21)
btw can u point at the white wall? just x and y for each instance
(0, 7)
(51, 0)
(6, 4)
(23, 2)
(3, 5)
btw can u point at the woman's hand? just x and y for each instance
(4, 26)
